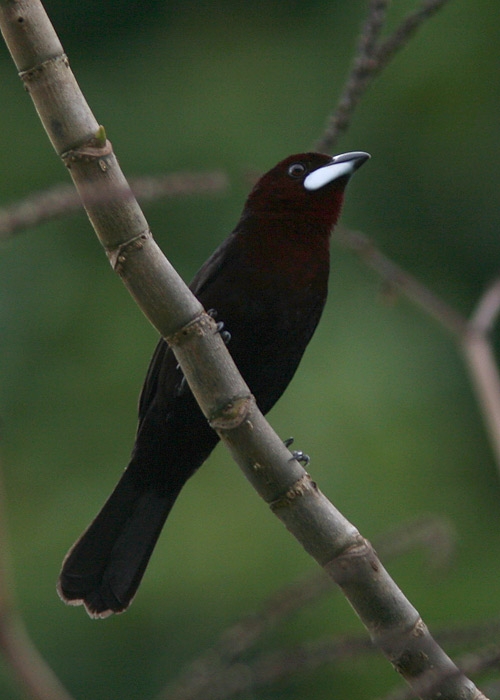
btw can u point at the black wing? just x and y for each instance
(163, 369)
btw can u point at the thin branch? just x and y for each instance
(483, 370)
(370, 59)
(405, 31)
(62, 200)
(26, 663)
(482, 364)
(266, 669)
(219, 682)
(219, 669)
(434, 534)
(402, 281)
(487, 310)
(472, 335)
(360, 76)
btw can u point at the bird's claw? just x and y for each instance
(300, 456)
(225, 335)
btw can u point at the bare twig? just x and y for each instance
(359, 77)
(472, 335)
(221, 682)
(402, 281)
(221, 670)
(61, 200)
(482, 364)
(483, 370)
(27, 665)
(434, 534)
(469, 636)
(251, 675)
(487, 310)
(404, 32)
(371, 57)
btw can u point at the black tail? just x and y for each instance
(103, 569)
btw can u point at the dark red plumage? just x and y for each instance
(268, 284)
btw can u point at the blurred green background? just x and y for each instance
(382, 402)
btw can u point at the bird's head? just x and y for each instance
(305, 185)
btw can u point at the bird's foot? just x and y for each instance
(225, 335)
(300, 456)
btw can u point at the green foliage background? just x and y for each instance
(382, 402)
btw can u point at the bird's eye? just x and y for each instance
(296, 170)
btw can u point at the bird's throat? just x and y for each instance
(294, 257)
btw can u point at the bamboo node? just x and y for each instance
(33, 73)
(304, 485)
(118, 256)
(95, 149)
(198, 326)
(233, 414)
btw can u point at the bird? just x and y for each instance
(267, 285)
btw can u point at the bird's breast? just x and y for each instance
(290, 258)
